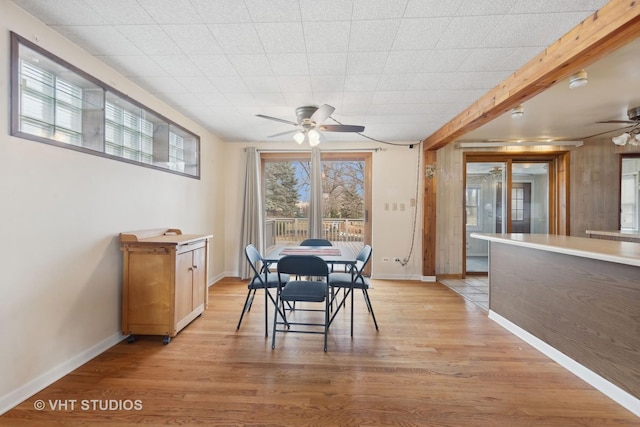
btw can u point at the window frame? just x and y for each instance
(17, 41)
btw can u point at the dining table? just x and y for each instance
(334, 255)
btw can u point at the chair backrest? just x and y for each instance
(363, 259)
(303, 265)
(253, 256)
(316, 242)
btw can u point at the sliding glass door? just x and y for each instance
(503, 197)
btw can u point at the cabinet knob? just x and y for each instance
(195, 266)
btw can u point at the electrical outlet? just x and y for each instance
(385, 259)
(396, 259)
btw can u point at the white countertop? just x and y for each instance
(604, 250)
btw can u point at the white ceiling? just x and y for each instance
(401, 68)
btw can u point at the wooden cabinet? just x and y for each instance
(164, 283)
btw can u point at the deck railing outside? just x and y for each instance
(284, 231)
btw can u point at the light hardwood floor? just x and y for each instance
(436, 361)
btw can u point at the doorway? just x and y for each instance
(507, 194)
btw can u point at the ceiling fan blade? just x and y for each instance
(289, 132)
(277, 119)
(619, 121)
(342, 128)
(322, 113)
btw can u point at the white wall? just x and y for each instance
(61, 212)
(394, 179)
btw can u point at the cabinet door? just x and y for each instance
(199, 276)
(184, 286)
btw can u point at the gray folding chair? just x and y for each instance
(313, 289)
(352, 280)
(262, 279)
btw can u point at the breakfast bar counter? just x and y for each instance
(578, 296)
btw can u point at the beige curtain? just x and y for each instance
(315, 196)
(252, 216)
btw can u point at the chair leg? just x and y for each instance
(326, 320)
(275, 320)
(366, 297)
(266, 313)
(352, 312)
(246, 307)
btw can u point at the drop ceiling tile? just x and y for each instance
(177, 65)
(531, 29)
(159, 85)
(420, 33)
(361, 82)
(267, 100)
(445, 60)
(395, 82)
(327, 63)
(376, 35)
(551, 6)
(378, 9)
(288, 64)
(221, 11)
(134, 65)
(171, 11)
(355, 102)
(405, 61)
(300, 84)
(257, 84)
(387, 97)
(281, 37)
(467, 32)
(150, 39)
(273, 10)
(118, 12)
(486, 7)
(328, 10)
(199, 85)
(296, 99)
(100, 40)
(231, 85)
(332, 36)
(195, 38)
(431, 8)
(488, 59)
(366, 62)
(57, 12)
(323, 84)
(237, 38)
(214, 65)
(251, 65)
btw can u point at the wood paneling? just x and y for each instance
(587, 309)
(429, 228)
(437, 360)
(595, 187)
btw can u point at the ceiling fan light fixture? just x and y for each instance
(517, 112)
(621, 139)
(578, 79)
(299, 137)
(314, 137)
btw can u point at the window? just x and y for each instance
(472, 198)
(55, 103)
(517, 204)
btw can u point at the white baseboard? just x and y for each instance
(36, 385)
(396, 277)
(609, 389)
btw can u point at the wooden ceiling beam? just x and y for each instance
(614, 25)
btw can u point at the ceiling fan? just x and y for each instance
(632, 136)
(309, 124)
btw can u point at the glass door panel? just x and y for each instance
(529, 198)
